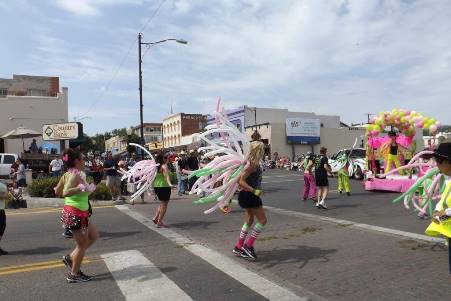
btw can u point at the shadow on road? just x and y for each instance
(193, 224)
(298, 256)
(334, 207)
(38, 251)
(113, 235)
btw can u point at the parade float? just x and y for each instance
(391, 146)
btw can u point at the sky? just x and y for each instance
(340, 57)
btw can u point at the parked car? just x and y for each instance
(358, 160)
(6, 160)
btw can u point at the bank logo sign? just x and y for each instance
(62, 131)
(303, 130)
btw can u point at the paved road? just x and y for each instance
(299, 258)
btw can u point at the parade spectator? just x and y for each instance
(113, 181)
(193, 165)
(20, 174)
(181, 167)
(56, 167)
(3, 194)
(34, 146)
(132, 161)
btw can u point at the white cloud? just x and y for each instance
(92, 7)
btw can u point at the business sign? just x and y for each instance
(62, 131)
(303, 131)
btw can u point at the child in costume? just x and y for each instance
(343, 180)
(441, 218)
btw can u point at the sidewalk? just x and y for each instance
(35, 202)
(333, 261)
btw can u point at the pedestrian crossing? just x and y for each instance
(140, 280)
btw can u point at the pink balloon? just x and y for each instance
(433, 128)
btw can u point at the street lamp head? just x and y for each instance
(182, 41)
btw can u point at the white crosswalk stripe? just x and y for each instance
(139, 279)
(254, 281)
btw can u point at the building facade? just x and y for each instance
(178, 128)
(31, 102)
(153, 134)
(116, 145)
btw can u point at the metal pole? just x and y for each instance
(140, 90)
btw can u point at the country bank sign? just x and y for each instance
(62, 131)
(303, 130)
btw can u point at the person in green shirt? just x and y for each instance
(162, 186)
(75, 214)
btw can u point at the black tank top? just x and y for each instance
(393, 149)
(255, 179)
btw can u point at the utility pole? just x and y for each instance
(141, 106)
(369, 115)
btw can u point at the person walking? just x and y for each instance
(309, 180)
(3, 196)
(75, 214)
(249, 199)
(113, 181)
(162, 187)
(56, 167)
(322, 170)
(343, 180)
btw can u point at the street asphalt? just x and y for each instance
(192, 260)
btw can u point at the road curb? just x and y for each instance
(35, 203)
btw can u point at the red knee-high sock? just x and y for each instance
(255, 232)
(243, 235)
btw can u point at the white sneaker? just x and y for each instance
(322, 205)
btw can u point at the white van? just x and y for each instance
(6, 160)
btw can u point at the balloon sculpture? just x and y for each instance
(142, 174)
(218, 180)
(404, 120)
(427, 189)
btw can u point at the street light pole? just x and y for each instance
(141, 116)
(141, 106)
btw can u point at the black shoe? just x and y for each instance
(249, 252)
(67, 234)
(3, 252)
(348, 193)
(238, 252)
(340, 191)
(80, 277)
(67, 261)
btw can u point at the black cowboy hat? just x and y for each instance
(443, 151)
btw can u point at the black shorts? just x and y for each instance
(163, 193)
(321, 181)
(247, 199)
(21, 183)
(2, 222)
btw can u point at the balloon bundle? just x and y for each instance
(218, 180)
(426, 190)
(404, 120)
(142, 174)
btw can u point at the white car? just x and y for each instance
(6, 160)
(358, 162)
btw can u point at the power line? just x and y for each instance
(94, 103)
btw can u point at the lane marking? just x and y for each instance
(139, 279)
(9, 213)
(37, 266)
(254, 281)
(355, 225)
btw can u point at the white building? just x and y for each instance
(30, 101)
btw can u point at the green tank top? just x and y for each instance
(79, 201)
(160, 180)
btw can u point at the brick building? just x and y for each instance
(178, 128)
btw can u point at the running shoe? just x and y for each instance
(249, 252)
(317, 206)
(80, 277)
(348, 193)
(3, 252)
(238, 252)
(67, 234)
(340, 191)
(67, 261)
(322, 205)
